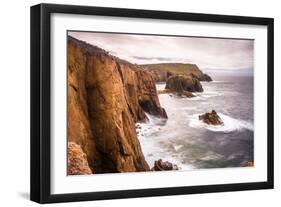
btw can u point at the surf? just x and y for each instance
(230, 124)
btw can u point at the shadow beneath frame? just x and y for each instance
(24, 195)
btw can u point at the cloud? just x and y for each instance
(160, 59)
(207, 53)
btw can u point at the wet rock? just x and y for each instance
(160, 165)
(211, 118)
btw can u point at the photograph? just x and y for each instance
(154, 102)
(135, 102)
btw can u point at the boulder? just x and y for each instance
(211, 118)
(77, 163)
(160, 165)
(179, 83)
(247, 163)
(250, 163)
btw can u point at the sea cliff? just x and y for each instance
(106, 97)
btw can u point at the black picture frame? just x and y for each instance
(41, 99)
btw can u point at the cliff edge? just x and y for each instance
(106, 97)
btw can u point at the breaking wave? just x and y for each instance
(155, 148)
(230, 124)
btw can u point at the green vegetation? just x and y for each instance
(175, 68)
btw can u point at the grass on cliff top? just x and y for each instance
(175, 68)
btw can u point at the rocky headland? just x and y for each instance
(181, 78)
(161, 72)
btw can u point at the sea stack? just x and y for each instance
(211, 118)
(179, 83)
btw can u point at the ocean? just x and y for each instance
(191, 144)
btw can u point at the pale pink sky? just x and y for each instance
(207, 53)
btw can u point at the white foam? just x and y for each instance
(151, 146)
(208, 94)
(196, 98)
(214, 81)
(177, 147)
(230, 124)
(160, 86)
(211, 156)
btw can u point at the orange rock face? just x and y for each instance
(77, 160)
(106, 96)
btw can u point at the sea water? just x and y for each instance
(191, 144)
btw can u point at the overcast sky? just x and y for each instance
(207, 53)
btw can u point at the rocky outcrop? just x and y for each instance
(211, 118)
(160, 165)
(207, 78)
(250, 163)
(247, 163)
(161, 72)
(180, 83)
(77, 163)
(106, 96)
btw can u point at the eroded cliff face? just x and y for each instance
(106, 96)
(141, 92)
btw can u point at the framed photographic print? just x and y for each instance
(132, 103)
